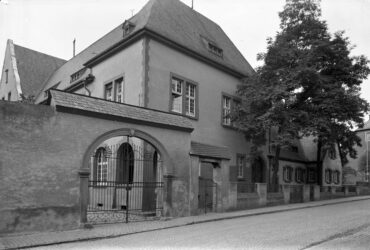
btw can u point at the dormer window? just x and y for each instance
(215, 50)
(127, 28)
(77, 75)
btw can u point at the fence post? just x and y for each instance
(262, 193)
(84, 194)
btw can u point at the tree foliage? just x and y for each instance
(309, 84)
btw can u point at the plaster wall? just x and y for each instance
(39, 187)
(127, 63)
(211, 83)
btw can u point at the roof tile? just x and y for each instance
(90, 104)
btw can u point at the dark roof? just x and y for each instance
(173, 20)
(178, 22)
(211, 151)
(286, 154)
(92, 105)
(34, 68)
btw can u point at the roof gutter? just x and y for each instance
(146, 32)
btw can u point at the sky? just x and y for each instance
(49, 26)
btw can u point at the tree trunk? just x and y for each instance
(275, 171)
(319, 163)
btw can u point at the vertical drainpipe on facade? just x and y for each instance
(85, 80)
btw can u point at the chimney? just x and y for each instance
(74, 47)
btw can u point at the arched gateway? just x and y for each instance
(126, 177)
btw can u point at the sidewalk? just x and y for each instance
(115, 230)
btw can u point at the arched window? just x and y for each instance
(125, 164)
(101, 166)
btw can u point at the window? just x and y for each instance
(229, 104)
(3, 98)
(336, 177)
(240, 161)
(311, 175)
(183, 103)
(6, 75)
(9, 96)
(299, 175)
(119, 89)
(287, 173)
(215, 50)
(101, 166)
(77, 75)
(127, 28)
(190, 99)
(226, 110)
(114, 90)
(108, 92)
(328, 176)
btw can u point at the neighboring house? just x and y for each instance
(166, 58)
(358, 170)
(24, 71)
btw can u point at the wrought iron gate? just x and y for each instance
(126, 182)
(207, 196)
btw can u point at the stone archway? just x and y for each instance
(114, 197)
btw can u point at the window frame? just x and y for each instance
(234, 101)
(113, 85)
(299, 175)
(184, 83)
(241, 167)
(288, 173)
(328, 176)
(336, 177)
(101, 168)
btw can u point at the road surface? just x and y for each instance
(340, 226)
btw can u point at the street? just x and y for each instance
(340, 226)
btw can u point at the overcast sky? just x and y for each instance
(49, 26)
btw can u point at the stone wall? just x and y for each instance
(41, 152)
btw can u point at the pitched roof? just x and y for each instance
(212, 151)
(166, 18)
(34, 68)
(92, 105)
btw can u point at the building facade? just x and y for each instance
(170, 59)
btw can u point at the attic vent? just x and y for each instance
(77, 75)
(127, 28)
(215, 50)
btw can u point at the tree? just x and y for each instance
(309, 85)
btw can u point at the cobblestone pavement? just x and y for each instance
(340, 226)
(115, 230)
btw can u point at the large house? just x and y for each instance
(168, 59)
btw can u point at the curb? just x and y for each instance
(226, 217)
